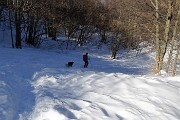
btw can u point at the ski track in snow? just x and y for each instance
(33, 88)
(16, 83)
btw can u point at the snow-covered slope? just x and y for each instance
(35, 84)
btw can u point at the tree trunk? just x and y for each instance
(157, 42)
(166, 35)
(103, 36)
(18, 29)
(18, 25)
(51, 28)
(10, 24)
(1, 10)
(175, 61)
(30, 39)
(173, 41)
(81, 37)
(113, 55)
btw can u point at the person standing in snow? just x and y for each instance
(85, 59)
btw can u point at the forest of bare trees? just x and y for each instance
(119, 23)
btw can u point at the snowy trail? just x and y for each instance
(19, 98)
(36, 85)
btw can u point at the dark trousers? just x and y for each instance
(86, 64)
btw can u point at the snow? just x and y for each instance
(35, 84)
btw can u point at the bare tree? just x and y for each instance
(152, 20)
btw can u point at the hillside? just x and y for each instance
(35, 84)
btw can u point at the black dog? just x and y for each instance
(69, 64)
